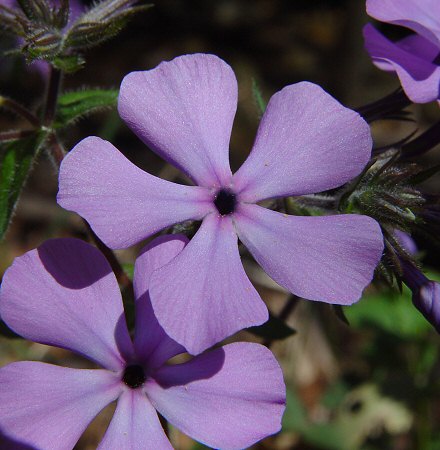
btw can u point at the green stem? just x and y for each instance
(53, 90)
(58, 152)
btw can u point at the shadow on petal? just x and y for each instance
(123, 339)
(62, 258)
(193, 370)
(9, 443)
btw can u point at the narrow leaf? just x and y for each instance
(68, 63)
(16, 159)
(258, 97)
(75, 105)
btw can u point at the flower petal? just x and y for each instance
(411, 58)
(422, 16)
(135, 425)
(151, 342)
(203, 295)
(329, 259)
(122, 203)
(228, 398)
(49, 407)
(65, 294)
(307, 142)
(184, 110)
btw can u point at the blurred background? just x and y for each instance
(372, 384)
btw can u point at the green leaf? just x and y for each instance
(75, 105)
(258, 97)
(16, 159)
(274, 329)
(295, 416)
(390, 311)
(68, 63)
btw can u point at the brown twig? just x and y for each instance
(20, 110)
(13, 135)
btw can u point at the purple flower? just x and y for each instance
(64, 294)
(307, 142)
(426, 293)
(414, 58)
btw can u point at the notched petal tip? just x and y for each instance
(183, 110)
(122, 203)
(307, 142)
(323, 258)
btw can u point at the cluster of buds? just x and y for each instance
(47, 32)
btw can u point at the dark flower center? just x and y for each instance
(134, 376)
(225, 202)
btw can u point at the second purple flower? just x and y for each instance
(307, 142)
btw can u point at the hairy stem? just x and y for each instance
(53, 90)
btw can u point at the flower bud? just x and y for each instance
(427, 301)
(426, 293)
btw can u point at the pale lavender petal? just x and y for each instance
(65, 294)
(406, 241)
(411, 58)
(307, 142)
(422, 16)
(228, 398)
(135, 425)
(184, 110)
(49, 407)
(327, 258)
(122, 203)
(151, 342)
(203, 295)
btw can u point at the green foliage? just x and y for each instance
(391, 312)
(75, 105)
(16, 159)
(274, 329)
(68, 63)
(258, 97)
(355, 415)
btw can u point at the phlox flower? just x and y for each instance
(65, 294)
(415, 58)
(307, 142)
